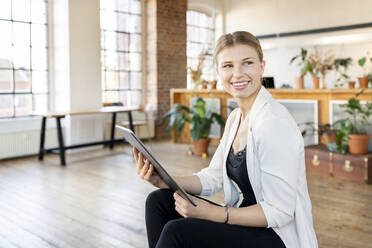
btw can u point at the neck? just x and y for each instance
(245, 104)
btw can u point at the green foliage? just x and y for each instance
(302, 61)
(199, 118)
(341, 65)
(343, 129)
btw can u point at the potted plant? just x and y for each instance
(196, 74)
(362, 62)
(314, 72)
(326, 132)
(213, 84)
(200, 120)
(341, 65)
(303, 64)
(354, 128)
(322, 62)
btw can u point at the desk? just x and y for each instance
(58, 116)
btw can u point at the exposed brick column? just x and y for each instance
(166, 53)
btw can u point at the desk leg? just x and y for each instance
(130, 121)
(113, 130)
(42, 139)
(60, 141)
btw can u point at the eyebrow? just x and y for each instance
(247, 58)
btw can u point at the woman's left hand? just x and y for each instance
(203, 210)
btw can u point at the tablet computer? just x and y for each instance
(136, 142)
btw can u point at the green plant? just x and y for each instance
(199, 118)
(311, 129)
(302, 61)
(356, 123)
(341, 65)
(362, 62)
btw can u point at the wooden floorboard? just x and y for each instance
(97, 200)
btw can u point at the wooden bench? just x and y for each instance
(58, 116)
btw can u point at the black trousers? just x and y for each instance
(167, 229)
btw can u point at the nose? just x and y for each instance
(237, 72)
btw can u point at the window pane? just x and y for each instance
(123, 5)
(40, 103)
(135, 61)
(38, 35)
(6, 105)
(135, 6)
(125, 97)
(39, 11)
(110, 96)
(123, 61)
(112, 80)
(108, 4)
(6, 81)
(5, 9)
(124, 81)
(22, 81)
(21, 57)
(23, 104)
(135, 80)
(135, 24)
(21, 34)
(135, 98)
(135, 43)
(109, 40)
(6, 38)
(39, 59)
(39, 82)
(111, 60)
(123, 42)
(123, 22)
(21, 10)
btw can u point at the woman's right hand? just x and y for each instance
(146, 171)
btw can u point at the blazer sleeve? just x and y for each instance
(279, 152)
(211, 178)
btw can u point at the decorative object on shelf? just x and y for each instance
(200, 120)
(322, 62)
(196, 74)
(341, 65)
(326, 132)
(352, 132)
(351, 84)
(213, 84)
(304, 66)
(367, 74)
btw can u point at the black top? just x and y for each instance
(237, 170)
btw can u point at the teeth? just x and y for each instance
(240, 84)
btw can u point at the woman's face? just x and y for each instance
(240, 70)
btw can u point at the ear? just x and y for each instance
(263, 64)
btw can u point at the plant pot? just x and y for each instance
(328, 138)
(351, 84)
(201, 146)
(298, 83)
(204, 86)
(315, 81)
(213, 85)
(358, 143)
(363, 82)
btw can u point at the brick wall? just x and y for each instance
(166, 53)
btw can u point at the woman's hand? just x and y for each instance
(146, 171)
(203, 210)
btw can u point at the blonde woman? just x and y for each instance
(259, 165)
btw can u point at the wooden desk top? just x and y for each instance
(111, 109)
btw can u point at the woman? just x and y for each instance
(259, 164)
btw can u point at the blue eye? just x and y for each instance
(248, 63)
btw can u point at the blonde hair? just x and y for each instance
(238, 37)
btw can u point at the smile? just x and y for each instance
(239, 85)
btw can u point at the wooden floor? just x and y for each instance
(98, 201)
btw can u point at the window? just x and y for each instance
(121, 51)
(200, 36)
(23, 57)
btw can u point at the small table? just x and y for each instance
(58, 116)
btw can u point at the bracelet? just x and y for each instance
(227, 214)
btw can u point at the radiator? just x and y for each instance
(23, 143)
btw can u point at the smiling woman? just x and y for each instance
(259, 164)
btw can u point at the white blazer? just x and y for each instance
(276, 170)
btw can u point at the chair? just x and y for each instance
(146, 110)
